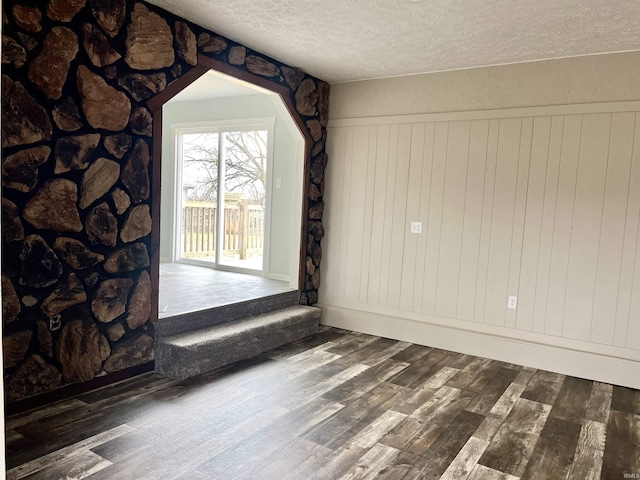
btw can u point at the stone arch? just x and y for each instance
(155, 105)
(79, 82)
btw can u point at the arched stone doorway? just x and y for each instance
(156, 103)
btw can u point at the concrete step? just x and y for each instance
(199, 319)
(190, 353)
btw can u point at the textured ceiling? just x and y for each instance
(342, 40)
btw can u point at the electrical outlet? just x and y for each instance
(416, 227)
(512, 302)
(54, 322)
(278, 183)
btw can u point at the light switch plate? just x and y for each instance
(416, 227)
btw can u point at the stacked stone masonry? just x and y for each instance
(77, 165)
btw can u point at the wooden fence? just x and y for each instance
(243, 230)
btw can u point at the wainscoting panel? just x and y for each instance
(539, 203)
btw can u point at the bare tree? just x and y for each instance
(245, 164)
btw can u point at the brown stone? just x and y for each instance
(318, 165)
(44, 338)
(110, 14)
(118, 145)
(23, 120)
(307, 97)
(292, 76)
(12, 52)
(141, 86)
(131, 352)
(12, 229)
(186, 43)
(29, 300)
(102, 226)
(10, 301)
(315, 279)
(29, 42)
(176, 70)
(121, 201)
(76, 254)
(131, 257)
(50, 68)
(237, 55)
(137, 224)
(315, 212)
(75, 153)
(98, 180)
(20, 170)
(149, 40)
(68, 293)
(33, 377)
(115, 332)
(104, 106)
(317, 148)
(316, 254)
(309, 266)
(14, 347)
(141, 122)
(209, 44)
(260, 66)
(140, 304)
(315, 129)
(96, 44)
(64, 10)
(312, 298)
(54, 207)
(91, 279)
(40, 267)
(110, 72)
(27, 18)
(111, 299)
(81, 349)
(323, 103)
(67, 116)
(314, 192)
(316, 230)
(135, 174)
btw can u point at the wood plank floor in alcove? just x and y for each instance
(188, 288)
(338, 405)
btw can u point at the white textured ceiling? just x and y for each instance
(216, 85)
(343, 40)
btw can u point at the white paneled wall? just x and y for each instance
(539, 203)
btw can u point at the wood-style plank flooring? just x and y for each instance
(338, 405)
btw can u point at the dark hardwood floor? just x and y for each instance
(337, 405)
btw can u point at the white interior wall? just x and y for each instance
(541, 203)
(284, 167)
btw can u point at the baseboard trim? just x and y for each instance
(278, 276)
(582, 364)
(75, 389)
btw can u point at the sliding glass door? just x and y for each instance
(224, 197)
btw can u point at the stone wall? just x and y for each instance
(76, 168)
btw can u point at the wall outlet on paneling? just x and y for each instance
(278, 183)
(512, 302)
(416, 227)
